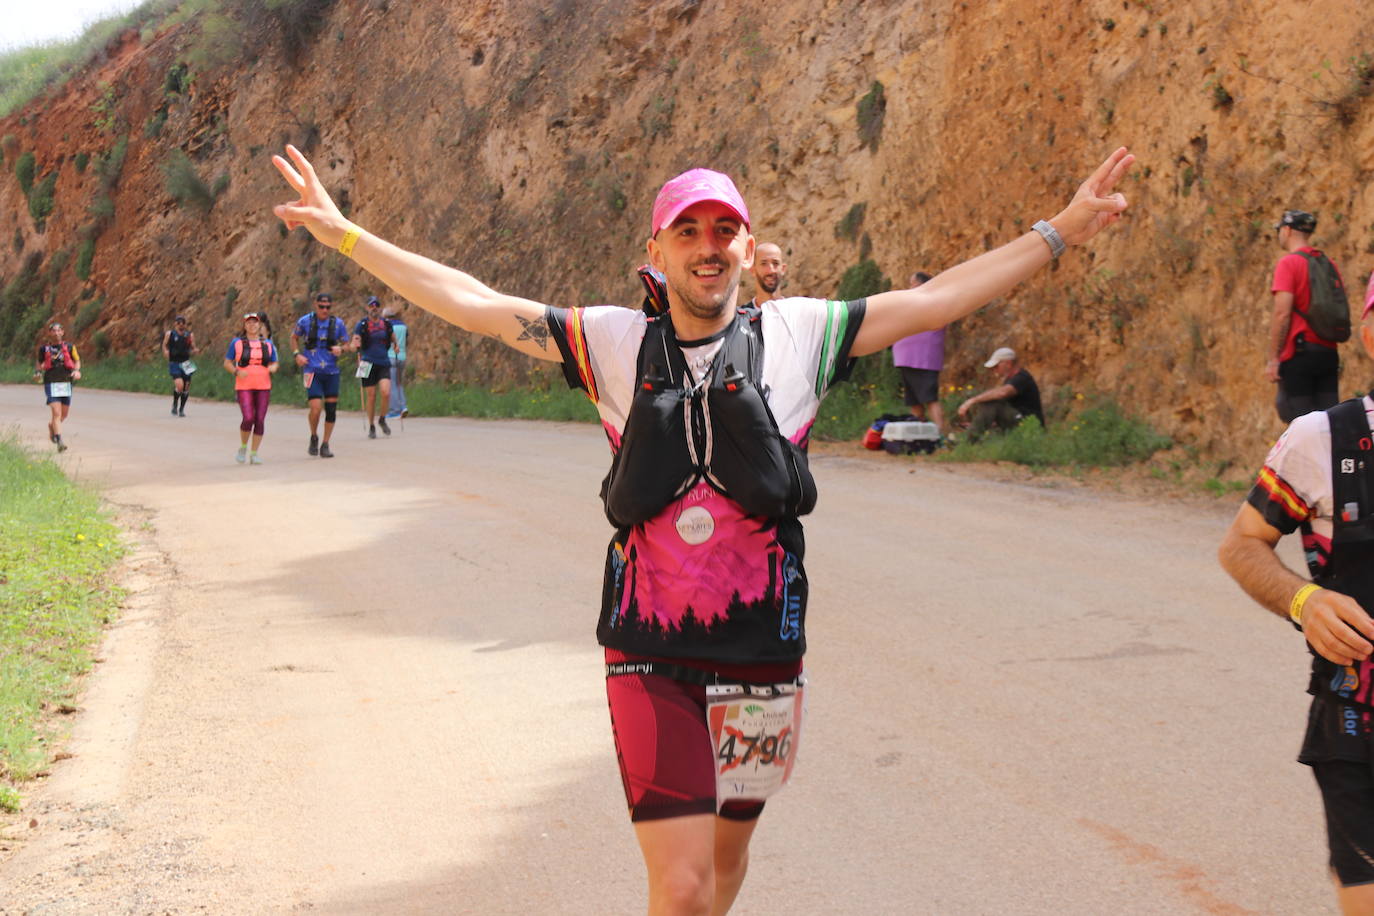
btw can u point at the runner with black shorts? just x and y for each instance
(178, 346)
(58, 365)
(704, 600)
(372, 338)
(1319, 479)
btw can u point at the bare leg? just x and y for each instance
(679, 853)
(1356, 901)
(316, 405)
(328, 427)
(918, 411)
(731, 860)
(937, 415)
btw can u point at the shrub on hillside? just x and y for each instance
(40, 200)
(871, 110)
(861, 280)
(24, 168)
(111, 165)
(88, 315)
(184, 184)
(84, 257)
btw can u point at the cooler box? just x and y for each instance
(907, 436)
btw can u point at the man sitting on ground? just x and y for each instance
(1003, 406)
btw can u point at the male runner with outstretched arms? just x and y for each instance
(704, 581)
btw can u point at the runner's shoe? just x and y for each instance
(242, 454)
(174, 411)
(254, 459)
(372, 432)
(181, 412)
(61, 446)
(381, 421)
(314, 445)
(405, 412)
(324, 451)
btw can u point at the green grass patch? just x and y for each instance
(57, 546)
(1101, 435)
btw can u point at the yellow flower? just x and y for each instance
(1078, 397)
(81, 537)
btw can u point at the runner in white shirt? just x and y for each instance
(737, 532)
(1319, 478)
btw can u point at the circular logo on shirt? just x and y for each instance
(695, 525)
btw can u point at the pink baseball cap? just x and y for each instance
(693, 187)
(1368, 298)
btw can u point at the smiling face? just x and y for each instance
(769, 268)
(701, 255)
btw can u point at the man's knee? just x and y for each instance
(684, 887)
(331, 410)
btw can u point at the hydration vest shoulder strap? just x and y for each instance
(1352, 465)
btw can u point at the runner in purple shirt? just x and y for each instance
(920, 358)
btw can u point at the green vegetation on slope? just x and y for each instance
(57, 547)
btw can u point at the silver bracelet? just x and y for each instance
(1051, 237)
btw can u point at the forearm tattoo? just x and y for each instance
(536, 330)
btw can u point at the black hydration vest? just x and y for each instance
(246, 352)
(178, 347)
(1349, 567)
(680, 432)
(312, 340)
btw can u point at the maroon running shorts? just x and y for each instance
(667, 764)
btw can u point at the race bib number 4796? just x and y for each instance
(754, 731)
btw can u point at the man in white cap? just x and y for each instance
(1006, 404)
(708, 410)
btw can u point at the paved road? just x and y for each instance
(371, 685)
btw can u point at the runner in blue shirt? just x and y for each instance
(372, 339)
(317, 340)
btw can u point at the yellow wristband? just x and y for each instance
(1300, 600)
(349, 240)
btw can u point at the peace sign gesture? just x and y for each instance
(1095, 206)
(314, 210)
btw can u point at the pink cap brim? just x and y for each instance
(691, 188)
